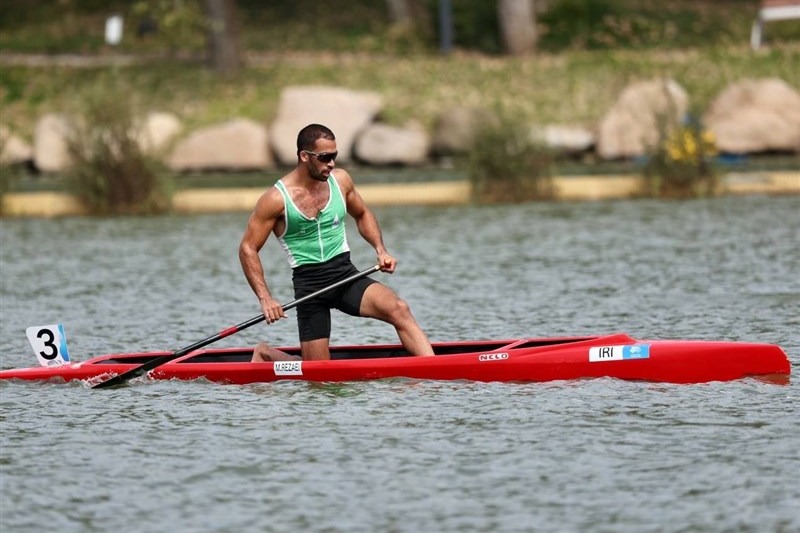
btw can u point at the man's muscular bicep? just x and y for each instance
(353, 201)
(268, 210)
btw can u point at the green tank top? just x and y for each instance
(314, 240)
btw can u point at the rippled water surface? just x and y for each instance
(401, 455)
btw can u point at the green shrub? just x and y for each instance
(175, 25)
(578, 24)
(680, 165)
(506, 164)
(110, 172)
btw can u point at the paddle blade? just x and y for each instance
(135, 372)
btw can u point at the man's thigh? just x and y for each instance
(351, 299)
(378, 301)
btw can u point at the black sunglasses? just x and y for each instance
(324, 157)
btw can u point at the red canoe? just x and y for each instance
(617, 356)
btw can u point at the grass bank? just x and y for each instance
(576, 87)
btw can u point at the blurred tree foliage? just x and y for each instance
(607, 24)
(367, 25)
(178, 24)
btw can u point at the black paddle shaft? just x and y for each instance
(158, 361)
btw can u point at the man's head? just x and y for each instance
(316, 150)
(308, 137)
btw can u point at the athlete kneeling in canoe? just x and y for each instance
(306, 210)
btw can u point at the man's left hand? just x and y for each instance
(387, 263)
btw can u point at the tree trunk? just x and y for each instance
(400, 12)
(223, 36)
(517, 25)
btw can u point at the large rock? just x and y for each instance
(13, 150)
(344, 111)
(756, 116)
(158, 130)
(239, 144)
(50, 139)
(455, 129)
(631, 127)
(381, 144)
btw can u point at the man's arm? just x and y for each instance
(366, 222)
(262, 221)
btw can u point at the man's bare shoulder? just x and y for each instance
(271, 202)
(344, 179)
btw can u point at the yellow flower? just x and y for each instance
(690, 146)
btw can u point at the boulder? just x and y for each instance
(13, 150)
(756, 116)
(381, 144)
(632, 126)
(239, 144)
(455, 129)
(50, 138)
(344, 111)
(157, 132)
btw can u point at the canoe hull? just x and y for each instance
(517, 360)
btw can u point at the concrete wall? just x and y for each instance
(588, 188)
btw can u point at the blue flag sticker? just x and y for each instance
(619, 353)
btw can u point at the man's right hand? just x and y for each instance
(272, 309)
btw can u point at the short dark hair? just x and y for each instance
(309, 135)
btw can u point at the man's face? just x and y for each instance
(321, 160)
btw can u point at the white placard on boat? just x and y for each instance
(288, 368)
(493, 357)
(49, 343)
(619, 353)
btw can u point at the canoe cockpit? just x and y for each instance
(243, 355)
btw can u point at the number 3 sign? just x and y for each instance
(49, 344)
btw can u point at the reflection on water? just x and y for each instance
(402, 455)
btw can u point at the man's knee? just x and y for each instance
(401, 307)
(261, 353)
(384, 304)
(396, 310)
(264, 353)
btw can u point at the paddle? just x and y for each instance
(158, 361)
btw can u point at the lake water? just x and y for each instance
(401, 455)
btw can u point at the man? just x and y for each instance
(306, 210)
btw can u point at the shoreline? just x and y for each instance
(50, 204)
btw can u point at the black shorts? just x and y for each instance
(314, 316)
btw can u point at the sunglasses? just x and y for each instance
(324, 157)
